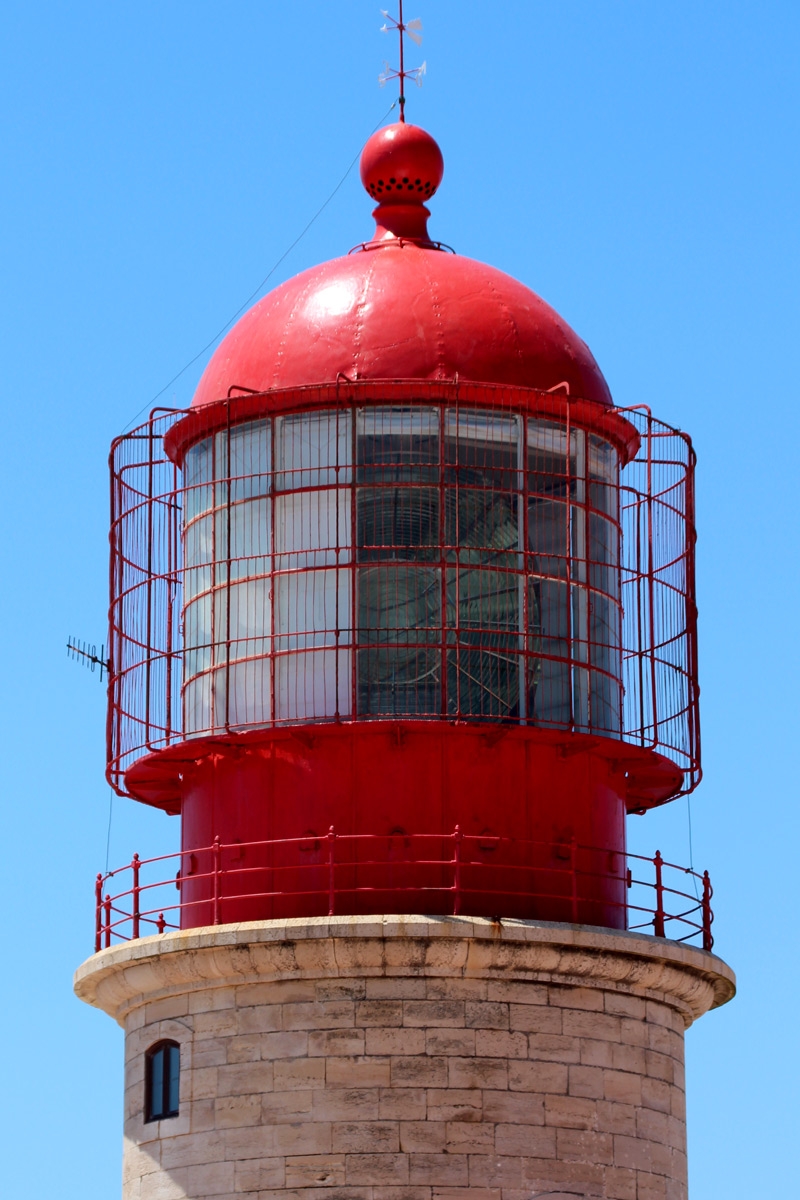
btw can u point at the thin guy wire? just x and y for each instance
(265, 280)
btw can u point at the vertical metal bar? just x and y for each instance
(172, 577)
(135, 864)
(98, 912)
(149, 585)
(216, 851)
(522, 578)
(708, 916)
(228, 572)
(658, 919)
(107, 916)
(331, 879)
(161, 923)
(457, 836)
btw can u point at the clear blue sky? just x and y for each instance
(635, 163)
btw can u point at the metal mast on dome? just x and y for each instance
(414, 30)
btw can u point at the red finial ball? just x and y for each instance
(401, 164)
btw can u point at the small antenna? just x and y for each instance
(414, 30)
(87, 654)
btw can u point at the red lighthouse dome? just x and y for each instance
(402, 308)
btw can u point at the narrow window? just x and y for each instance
(162, 1081)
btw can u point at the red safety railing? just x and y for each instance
(673, 902)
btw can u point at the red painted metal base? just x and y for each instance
(394, 778)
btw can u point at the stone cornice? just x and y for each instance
(124, 977)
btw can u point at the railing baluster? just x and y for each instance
(331, 880)
(658, 919)
(216, 851)
(107, 914)
(98, 912)
(135, 868)
(708, 916)
(457, 836)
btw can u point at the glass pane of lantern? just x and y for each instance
(250, 460)
(399, 617)
(311, 608)
(197, 474)
(313, 449)
(311, 684)
(310, 527)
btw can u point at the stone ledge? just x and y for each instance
(124, 977)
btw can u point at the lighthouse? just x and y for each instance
(403, 628)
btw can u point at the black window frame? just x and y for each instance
(162, 1062)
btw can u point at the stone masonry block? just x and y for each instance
(445, 1170)
(622, 1087)
(549, 1048)
(365, 1137)
(257, 1174)
(376, 1169)
(657, 1094)
(211, 1179)
(620, 1005)
(500, 1043)
(452, 1104)
(486, 1015)
(570, 1112)
(518, 1108)
(396, 989)
(581, 1145)
(460, 1042)
(591, 1024)
(394, 1041)
(335, 1042)
(240, 1144)
(263, 1018)
(543, 1077)
(298, 1074)
(616, 1118)
(469, 1137)
(244, 1079)
(494, 1170)
(620, 1184)
(422, 1137)
(434, 1013)
(331, 1014)
(588, 999)
(345, 1104)
(356, 1071)
(586, 1081)
(419, 1071)
(525, 1141)
(286, 1106)
(478, 1073)
(456, 989)
(403, 1104)
(315, 1171)
(379, 1012)
(535, 1018)
(303, 1137)
(514, 992)
(230, 1111)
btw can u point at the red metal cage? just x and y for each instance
(241, 578)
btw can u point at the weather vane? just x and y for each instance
(414, 31)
